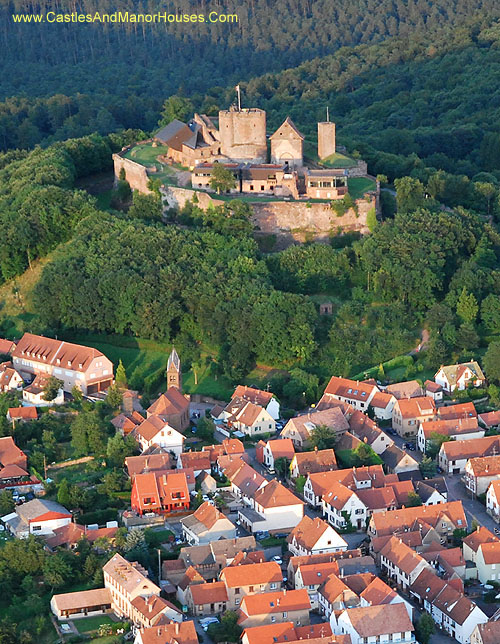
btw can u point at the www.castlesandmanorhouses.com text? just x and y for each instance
(126, 17)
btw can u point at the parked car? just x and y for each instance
(278, 559)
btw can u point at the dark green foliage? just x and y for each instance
(424, 628)
(228, 630)
(52, 388)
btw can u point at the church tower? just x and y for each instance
(174, 374)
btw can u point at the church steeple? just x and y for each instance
(174, 374)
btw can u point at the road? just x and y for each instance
(474, 510)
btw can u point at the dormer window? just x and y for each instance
(58, 361)
(45, 357)
(69, 363)
(80, 365)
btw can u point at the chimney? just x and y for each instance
(177, 628)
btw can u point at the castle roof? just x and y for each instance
(287, 127)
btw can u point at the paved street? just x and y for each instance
(473, 508)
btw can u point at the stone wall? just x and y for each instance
(135, 173)
(360, 170)
(174, 197)
(299, 222)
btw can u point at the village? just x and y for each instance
(272, 536)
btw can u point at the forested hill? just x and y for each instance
(428, 101)
(106, 77)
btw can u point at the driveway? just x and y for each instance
(473, 508)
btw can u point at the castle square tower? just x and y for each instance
(326, 139)
(242, 134)
(287, 145)
(174, 374)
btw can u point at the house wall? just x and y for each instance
(298, 617)
(47, 527)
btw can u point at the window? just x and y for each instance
(250, 589)
(285, 615)
(273, 586)
(36, 528)
(273, 619)
(236, 591)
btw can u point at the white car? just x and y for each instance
(278, 559)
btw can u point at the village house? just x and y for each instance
(243, 580)
(275, 449)
(245, 481)
(300, 428)
(85, 603)
(76, 365)
(492, 499)
(406, 389)
(401, 563)
(335, 595)
(366, 430)
(288, 632)
(480, 472)
(207, 598)
(312, 577)
(378, 592)
(433, 390)
(378, 499)
(488, 561)
(454, 455)
(356, 478)
(305, 463)
(384, 623)
(21, 414)
(343, 507)
(147, 463)
(357, 394)
(398, 461)
(327, 183)
(315, 560)
(34, 394)
(278, 606)
(155, 431)
(127, 581)
(10, 380)
(6, 347)
(460, 376)
(456, 412)
(383, 405)
(488, 633)
(265, 399)
(432, 491)
(70, 534)
(207, 524)
(196, 461)
(126, 423)
(209, 559)
(247, 417)
(151, 610)
(444, 518)
(455, 429)
(274, 509)
(410, 412)
(471, 543)
(13, 464)
(168, 633)
(490, 419)
(456, 614)
(39, 517)
(314, 536)
(160, 492)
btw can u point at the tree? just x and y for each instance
(322, 437)
(114, 397)
(409, 194)
(56, 571)
(490, 313)
(205, 428)
(63, 493)
(135, 540)
(428, 467)
(121, 376)
(7, 504)
(414, 500)
(77, 394)
(118, 448)
(228, 630)
(175, 107)
(434, 443)
(221, 179)
(467, 307)
(282, 467)
(491, 361)
(364, 455)
(88, 435)
(148, 207)
(425, 628)
(51, 389)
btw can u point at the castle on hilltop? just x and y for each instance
(239, 142)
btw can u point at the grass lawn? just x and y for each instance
(348, 459)
(146, 154)
(338, 160)
(108, 639)
(89, 624)
(359, 185)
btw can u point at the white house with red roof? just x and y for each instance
(273, 508)
(460, 376)
(76, 365)
(279, 448)
(314, 536)
(355, 393)
(154, 431)
(207, 524)
(39, 516)
(265, 399)
(248, 417)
